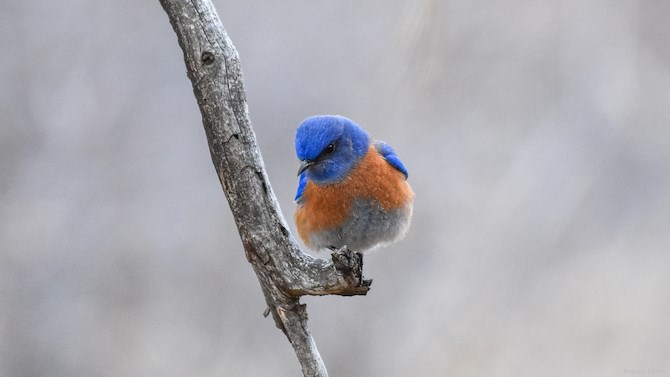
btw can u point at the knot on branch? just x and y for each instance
(207, 58)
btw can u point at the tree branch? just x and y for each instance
(285, 273)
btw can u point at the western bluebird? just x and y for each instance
(352, 191)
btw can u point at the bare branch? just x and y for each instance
(285, 273)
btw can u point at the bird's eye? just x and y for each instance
(329, 149)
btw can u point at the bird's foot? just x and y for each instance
(350, 264)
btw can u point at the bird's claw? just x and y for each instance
(350, 264)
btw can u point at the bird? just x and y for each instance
(352, 191)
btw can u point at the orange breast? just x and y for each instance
(328, 206)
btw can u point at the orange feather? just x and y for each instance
(329, 206)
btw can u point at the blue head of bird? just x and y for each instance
(329, 146)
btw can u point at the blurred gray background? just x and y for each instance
(537, 137)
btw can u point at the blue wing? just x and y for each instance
(389, 154)
(301, 186)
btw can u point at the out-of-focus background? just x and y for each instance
(536, 132)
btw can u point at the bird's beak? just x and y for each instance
(304, 165)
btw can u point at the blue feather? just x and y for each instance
(301, 186)
(332, 144)
(389, 155)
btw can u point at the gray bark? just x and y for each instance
(284, 272)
